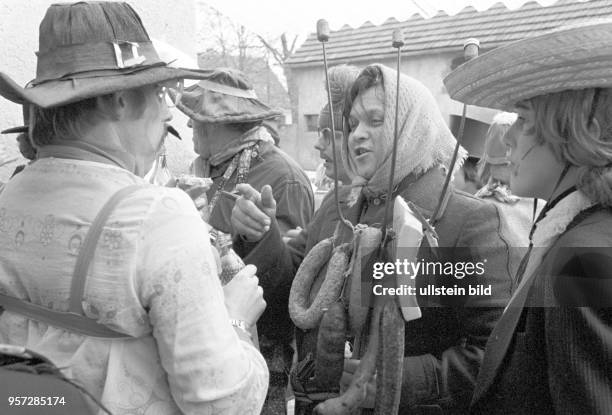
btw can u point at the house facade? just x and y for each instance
(433, 47)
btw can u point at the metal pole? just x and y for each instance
(470, 51)
(398, 42)
(323, 36)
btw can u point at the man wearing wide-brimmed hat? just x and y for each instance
(112, 279)
(236, 148)
(551, 351)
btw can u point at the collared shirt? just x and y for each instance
(153, 277)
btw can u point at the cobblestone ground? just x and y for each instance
(278, 358)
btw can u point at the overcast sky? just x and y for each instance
(273, 17)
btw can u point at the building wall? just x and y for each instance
(311, 98)
(175, 25)
(289, 142)
(429, 69)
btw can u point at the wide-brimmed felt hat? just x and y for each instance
(571, 57)
(225, 97)
(88, 49)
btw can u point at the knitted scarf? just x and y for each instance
(201, 167)
(498, 190)
(424, 138)
(247, 139)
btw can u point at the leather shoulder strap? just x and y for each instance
(74, 320)
(87, 251)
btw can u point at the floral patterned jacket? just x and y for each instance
(153, 277)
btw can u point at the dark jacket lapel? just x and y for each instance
(500, 339)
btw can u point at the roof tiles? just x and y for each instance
(493, 27)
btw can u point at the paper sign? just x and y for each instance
(408, 236)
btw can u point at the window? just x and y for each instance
(311, 122)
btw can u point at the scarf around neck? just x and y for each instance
(247, 139)
(499, 191)
(201, 167)
(424, 138)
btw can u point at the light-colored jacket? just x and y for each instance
(153, 277)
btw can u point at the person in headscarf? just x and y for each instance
(112, 279)
(494, 165)
(516, 213)
(551, 352)
(443, 349)
(341, 78)
(270, 253)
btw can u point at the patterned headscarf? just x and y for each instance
(341, 79)
(424, 138)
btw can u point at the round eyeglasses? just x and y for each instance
(326, 135)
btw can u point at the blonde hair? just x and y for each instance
(577, 126)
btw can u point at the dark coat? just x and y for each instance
(551, 352)
(291, 189)
(444, 348)
(278, 262)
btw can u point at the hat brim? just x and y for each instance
(22, 129)
(217, 108)
(576, 57)
(66, 91)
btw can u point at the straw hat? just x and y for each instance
(88, 49)
(571, 57)
(225, 97)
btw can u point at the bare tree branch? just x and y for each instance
(278, 57)
(293, 45)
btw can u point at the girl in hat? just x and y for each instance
(551, 352)
(112, 279)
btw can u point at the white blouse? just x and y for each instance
(153, 276)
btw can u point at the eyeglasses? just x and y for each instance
(326, 134)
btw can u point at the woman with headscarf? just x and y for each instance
(270, 252)
(259, 242)
(443, 349)
(551, 352)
